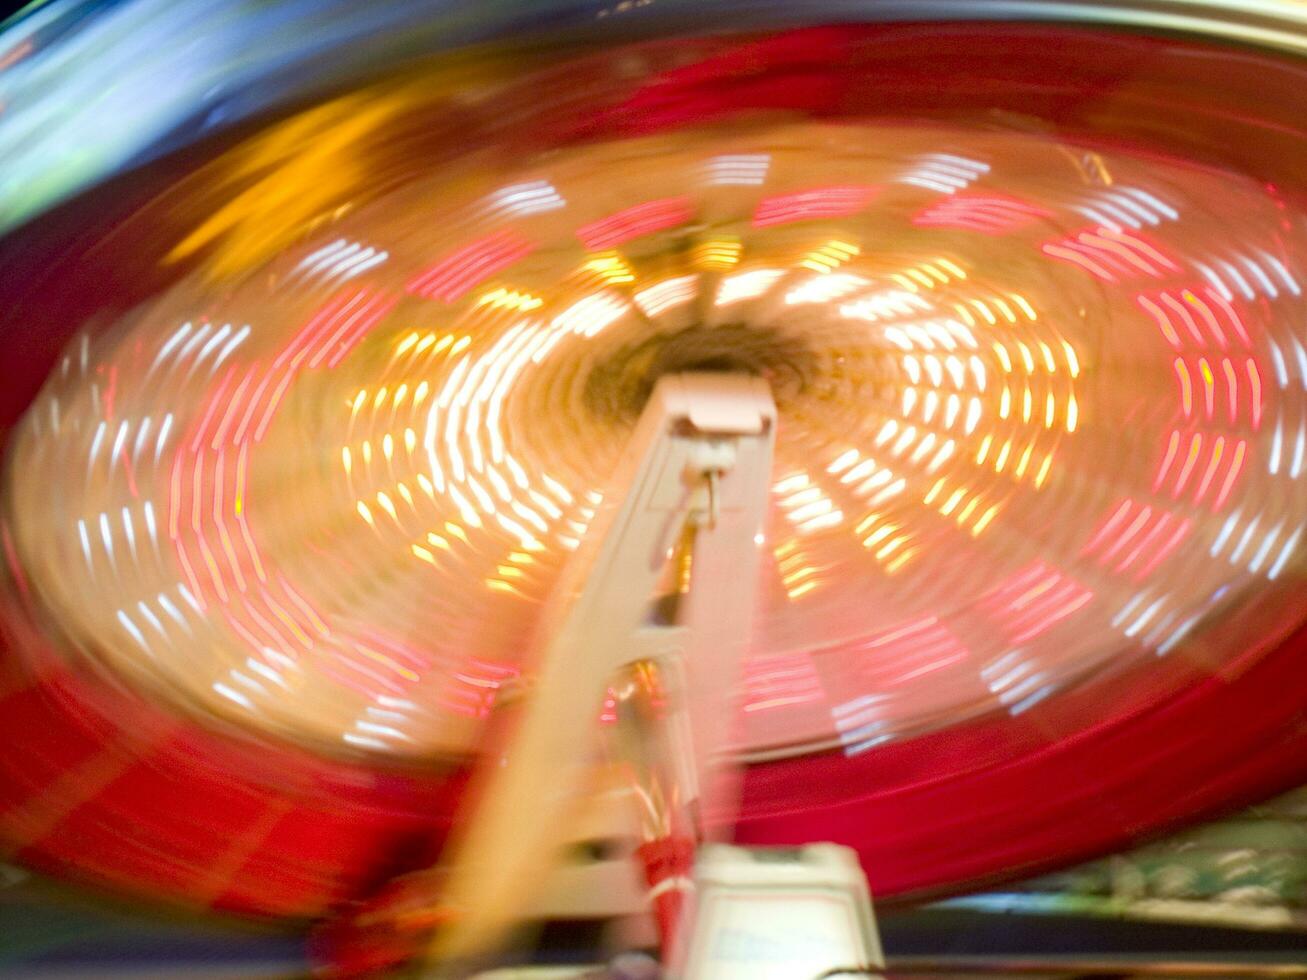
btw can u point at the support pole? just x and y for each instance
(696, 474)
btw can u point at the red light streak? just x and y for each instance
(218, 397)
(1195, 446)
(1141, 519)
(1179, 309)
(1149, 541)
(314, 618)
(242, 429)
(1209, 318)
(278, 393)
(1209, 386)
(1034, 601)
(770, 682)
(1231, 315)
(1108, 526)
(1166, 550)
(464, 269)
(287, 620)
(1217, 450)
(1160, 317)
(1232, 387)
(212, 566)
(903, 653)
(1072, 254)
(1172, 445)
(1140, 244)
(1186, 387)
(812, 205)
(1236, 467)
(197, 479)
(1255, 398)
(233, 405)
(192, 580)
(992, 214)
(1106, 252)
(635, 222)
(375, 308)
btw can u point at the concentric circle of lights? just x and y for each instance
(1043, 412)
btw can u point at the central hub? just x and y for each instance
(619, 386)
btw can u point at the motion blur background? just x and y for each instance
(1025, 279)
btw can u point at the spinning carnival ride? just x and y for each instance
(307, 420)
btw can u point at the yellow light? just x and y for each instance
(966, 512)
(511, 299)
(955, 269)
(791, 483)
(1072, 362)
(610, 267)
(952, 502)
(807, 571)
(1049, 363)
(718, 255)
(1026, 358)
(803, 589)
(891, 547)
(381, 658)
(984, 521)
(1044, 467)
(900, 561)
(1024, 461)
(829, 256)
(866, 523)
(1002, 457)
(1003, 357)
(879, 535)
